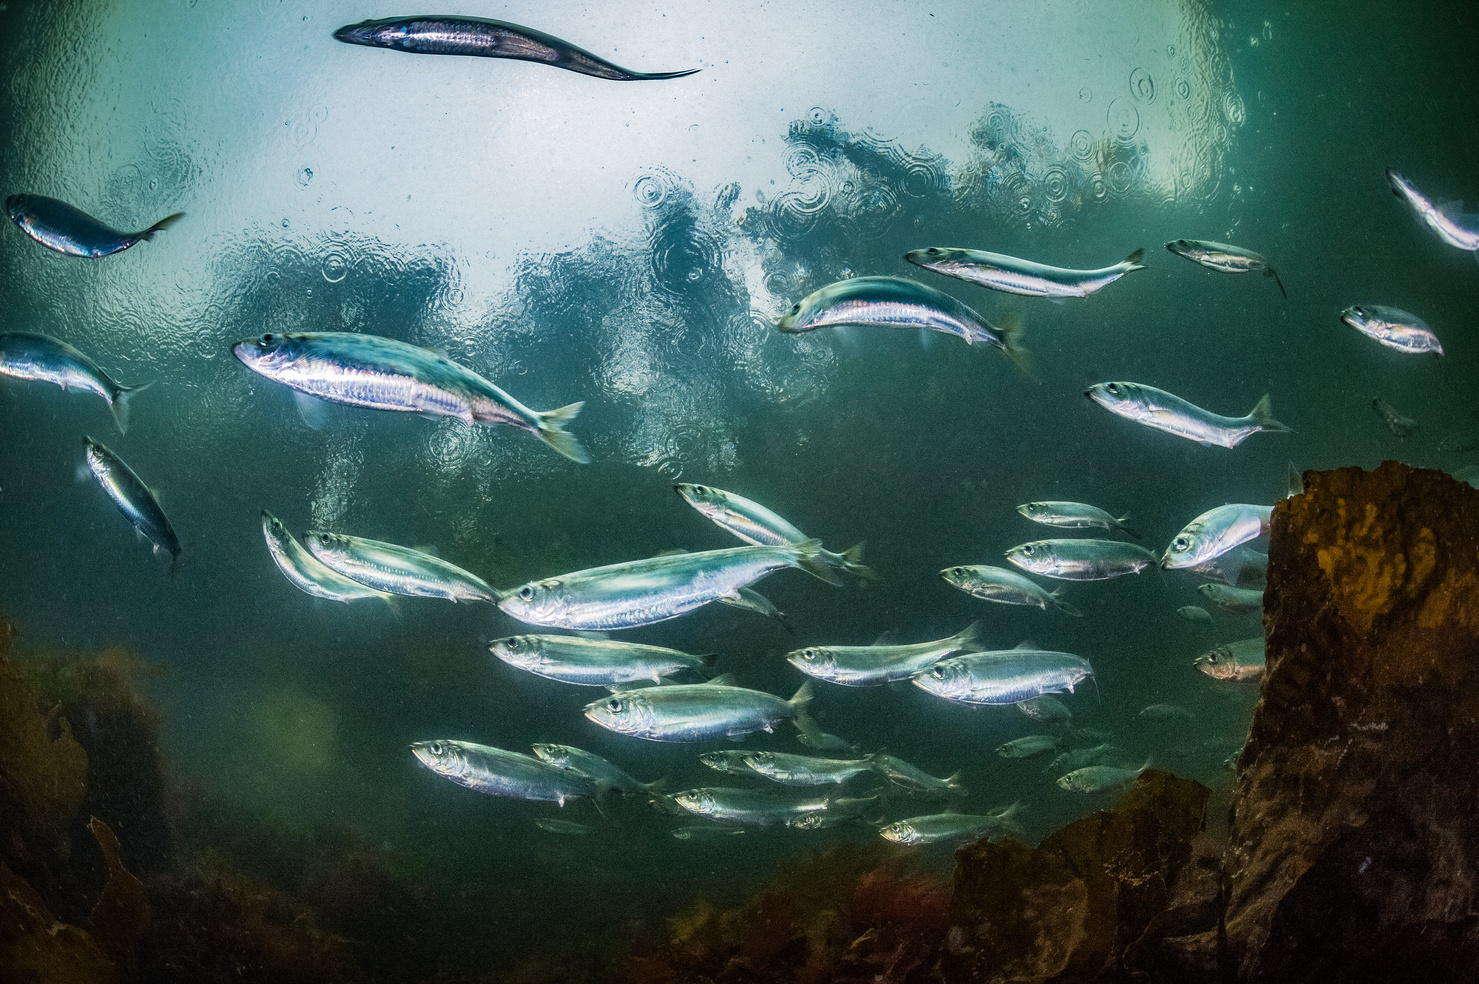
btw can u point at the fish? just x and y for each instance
(1047, 709)
(593, 662)
(1007, 676)
(1165, 713)
(753, 523)
(1166, 412)
(1194, 614)
(1075, 516)
(489, 39)
(50, 360)
(751, 600)
(892, 302)
(806, 770)
(1006, 587)
(1081, 560)
(306, 572)
(1237, 662)
(499, 772)
(1100, 778)
(1079, 758)
(641, 592)
(1234, 567)
(734, 761)
(749, 807)
(912, 777)
(1393, 327)
(939, 827)
(1029, 747)
(397, 570)
(67, 229)
(1401, 427)
(1460, 441)
(696, 712)
(706, 831)
(1447, 220)
(593, 767)
(1214, 533)
(385, 374)
(132, 497)
(1224, 258)
(1232, 599)
(1018, 276)
(814, 737)
(567, 828)
(872, 666)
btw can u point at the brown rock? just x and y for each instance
(43, 770)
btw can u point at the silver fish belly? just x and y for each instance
(51, 360)
(1164, 411)
(499, 772)
(1081, 560)
(132, 497)
(694, 712)
(305, 571)
(67, 229)
(1074, 516)
(591, 662)
(1018, 276)
(872, 666)
(1224, 258)
(397, 570)
(1393, 327)
(1447, 221)
(1004, 676)
(1214, 533)
(1005, 587)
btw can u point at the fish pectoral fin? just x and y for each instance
(1059, 300)
(315, 412)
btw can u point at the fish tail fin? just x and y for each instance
(1271, 272)
(812, 559)
(1132, 262)
(968, 636)
(953, 784)
(1120, 524)
(852, 562)
(657, 785)
(1296, 481)
(553, 432)
(657, 76)
(1263, 415)
(120, 401)
(803, 721)
(1063, 606)
(161, 225)
(802, 697)
(1011, 343)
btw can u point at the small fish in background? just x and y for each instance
(1224, 258)
(892, 302)
(1004, 677)
(306, 572)
(132, 497)
(753, 523)
(604, 774)
(1078, 758)
(67, 229)
(1100, 778)
(1460, 441)
(1081, 560)
(1045, 708)
(938, 827)
(500, 772)
(1236, 662)
(397, 570)
(872, 666)
(1393, 327)
(1017, 276)
(1193, 613)
(565, 828)
(594, 662)
(813, 737)
(1005, 587)
(51, 360)
(706, 831)
(488, 39)
(1075, 516)
(1170, 413)
(1029, 747)
(1447, 220)
(1401, 427)
(1214, 533)
(1231, 599)
(915, 779)
(1165, 713)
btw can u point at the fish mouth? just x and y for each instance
(354, 33)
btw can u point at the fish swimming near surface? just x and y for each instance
(872, 666)
(1005, 587)
(892, 302)
(640, 592)
(753, 523)
(939, 827)
(67, 229)
(1017, 276)
(1232, 599)
(1393, 327)
(696, 712)
(1003, 676)
(1447, 220)
(386, 374)
(488, 39)
(1401, 427)
(51, 360)
(1170, 413)
(499, 772)
(599, 771)
(1215, 533)
(306, 572)
(132, 497)
(1237, 662)
(1224, 258)
(593, 662)
(1075, 516)
(397, 570)
(1081, 559)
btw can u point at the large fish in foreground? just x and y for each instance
(437, 35)
(306, 572)
(753, 523)
(1447, 220)
(1016, 276)
(640, 592)
(1007, 676)
(51, 360)
(385, 374)
(1224, 258)
(1214, 533)
(66, 229)
(132, 497)
(1167, 412)
(499, 772)
(397, 570)
(697, 712)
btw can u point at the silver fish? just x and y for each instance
(1194, 614)
(565, 828)
(840, 810)
(1006, 587)
(306, 572)
(67, 229)
(1239, 662)
(1164, 713)
(750, 807)
(132, 497)
(1214, 533)
(1232, 599)
(1447, 220)
(1028, 747)
(892, 302)
(1047, 709)
(706, 832)
(914, 778)
(385, 374)
(1017, 276)
(751, 600)
(1079, 758)
(1081, 560)
(1004, 676)
(51, 360)
(1074, 516)
(1224, 258)
(734, 761)
(1235, 566)
(1166, 412)
(939, 827)
(489, 39)
(806, 770)
(640, 592)
(1393, 327)
(592, 662)
(753, 523)
(1401, 427)
(602, 773)
(1100, 778)
(499, 772)
(396, 569)
(871, 666)
(695, 712)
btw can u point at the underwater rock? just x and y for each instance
(1067, 909)
(1354, 852)
(122, 913)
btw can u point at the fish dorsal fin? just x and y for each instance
(886, 638)
(428, 549)
(675, 552)
(722, 680)
(1026, 644)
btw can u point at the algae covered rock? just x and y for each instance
(43, 770)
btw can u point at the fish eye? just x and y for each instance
(526, 593)
(614, 705)
(1028, 550)
(810, 655)
(700, 490)
(512, 645)
(436, 748)
(938, 672)
(933, 251)
(267, 339)
(325, 538)
(1113, 388)
(1181, 543)
(796, 308)
(1358, 312)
